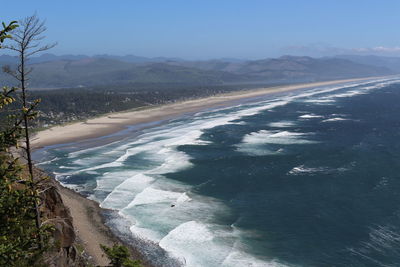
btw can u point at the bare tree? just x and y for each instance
(27, 42)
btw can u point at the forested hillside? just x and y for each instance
(51, 71)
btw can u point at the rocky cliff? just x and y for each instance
(64, 248)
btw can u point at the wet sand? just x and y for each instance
(115, 122)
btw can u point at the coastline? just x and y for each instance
(90, 227)
(114, 122)
(89, 220)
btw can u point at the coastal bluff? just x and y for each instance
(65, 252)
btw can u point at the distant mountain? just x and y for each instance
(214, 64)
(137, 59)
(291, 68)
(101, 71)
(6, 59)
(51, 57)
(52, 71)
(392, 63)
(307, 68)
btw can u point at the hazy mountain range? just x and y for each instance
(51, 71)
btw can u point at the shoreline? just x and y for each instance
(88, 225)
(90, 228)
(114, 122)
(88, 217)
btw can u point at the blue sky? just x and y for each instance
(202, 29)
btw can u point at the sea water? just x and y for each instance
(306, 178)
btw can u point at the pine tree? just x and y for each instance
(27, 42)
(19, 233)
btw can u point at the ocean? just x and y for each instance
(306, 178)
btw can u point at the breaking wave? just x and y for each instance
(132, 176)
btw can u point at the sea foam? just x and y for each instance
(310, 116)
(192, 236)
(282, 124)
(169, 212)
(125, 192)
(335, 119)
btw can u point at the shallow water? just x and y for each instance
(308, 178)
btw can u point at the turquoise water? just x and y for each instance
(309, 178)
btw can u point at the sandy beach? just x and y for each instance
(87, 218)
(114, 122)
(88, 224)
(90, 228)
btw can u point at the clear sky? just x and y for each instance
(202, 29)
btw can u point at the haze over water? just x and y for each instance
(308, 178)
